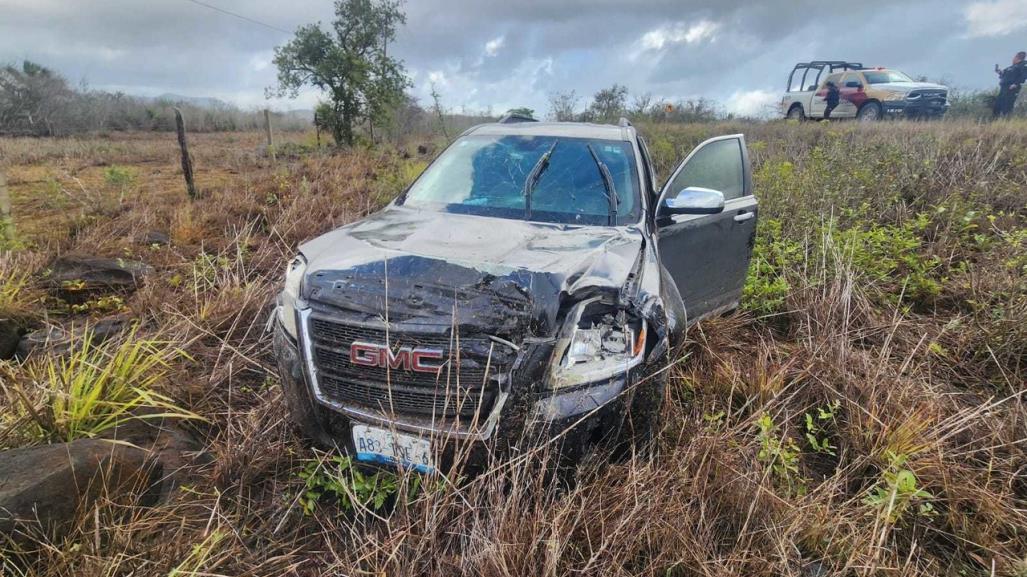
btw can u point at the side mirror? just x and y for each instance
(695, 200)
(853, 84)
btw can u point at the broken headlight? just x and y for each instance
(597, 343)
(291, 294)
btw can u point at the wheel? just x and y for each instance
(870, 112)
(642, 420)
(795, 113)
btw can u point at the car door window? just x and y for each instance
(813, 78)
(718, 166)
(796, 81)
(835, 78)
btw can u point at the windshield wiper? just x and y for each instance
(534, 176)
(611, 190)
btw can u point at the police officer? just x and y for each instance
(833, 96)
(1009, 83)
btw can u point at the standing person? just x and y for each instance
(1009, 83)
(833, 96)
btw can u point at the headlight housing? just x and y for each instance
(291, 294)
(598, 342)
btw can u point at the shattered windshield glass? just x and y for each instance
(497, 175)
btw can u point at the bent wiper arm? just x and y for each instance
(534, 176)
(611, 190)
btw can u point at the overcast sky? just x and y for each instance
(506, 53)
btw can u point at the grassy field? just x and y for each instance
(863, 415)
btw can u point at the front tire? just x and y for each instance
(870, 112)
(642, 420)
(796, 113)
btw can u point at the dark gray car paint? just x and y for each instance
(509, 278)
(477, 273)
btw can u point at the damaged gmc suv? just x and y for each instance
(532, 280)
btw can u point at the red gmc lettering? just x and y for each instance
(406, 358)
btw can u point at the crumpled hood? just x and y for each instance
(499, 275)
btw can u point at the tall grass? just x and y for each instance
(95, 388)
(862, 416)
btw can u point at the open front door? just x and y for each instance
(708, 254)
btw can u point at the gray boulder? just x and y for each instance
(77, 279)
(10, 335)
(50, 485)
(59, 340)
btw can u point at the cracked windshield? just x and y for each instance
(493, 176)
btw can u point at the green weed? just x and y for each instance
(337, 479)
(119, 177)
(816, 427)
(781, 454)
(898, 492)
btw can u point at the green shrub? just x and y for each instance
(897, 492)
(336, 478)
(781, 454)
(766, 286)
(119, 177)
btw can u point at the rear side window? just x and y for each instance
(795, 84)
(718, 166)
(812, 78)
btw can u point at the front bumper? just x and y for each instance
(915, 108)
(576, 416)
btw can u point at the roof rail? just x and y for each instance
(832, 64)
(514, 118)
(623, 122)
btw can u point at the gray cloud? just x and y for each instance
(153, 46)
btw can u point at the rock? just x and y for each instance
(156, 237)
(169, 445)
(10, 335)
(77, 279)
(49, 485)
(58, 340)
(426, 149)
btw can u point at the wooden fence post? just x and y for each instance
(187, 163)
(6, 221)
(5, 198)
(270, 135)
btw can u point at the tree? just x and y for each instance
(642, 104)
(522, 111)
(33, 100)
(349, 63)
(609, 104)
(562, 105)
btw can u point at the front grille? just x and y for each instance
(929, 96)
(407, 400)
(467, 383)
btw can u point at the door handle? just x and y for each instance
(742, 217)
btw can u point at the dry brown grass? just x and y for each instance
(938, 379)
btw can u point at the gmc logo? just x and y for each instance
(406, 358)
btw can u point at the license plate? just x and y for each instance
(375, 445)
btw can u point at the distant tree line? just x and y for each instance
(37, 101)
(609, 105)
